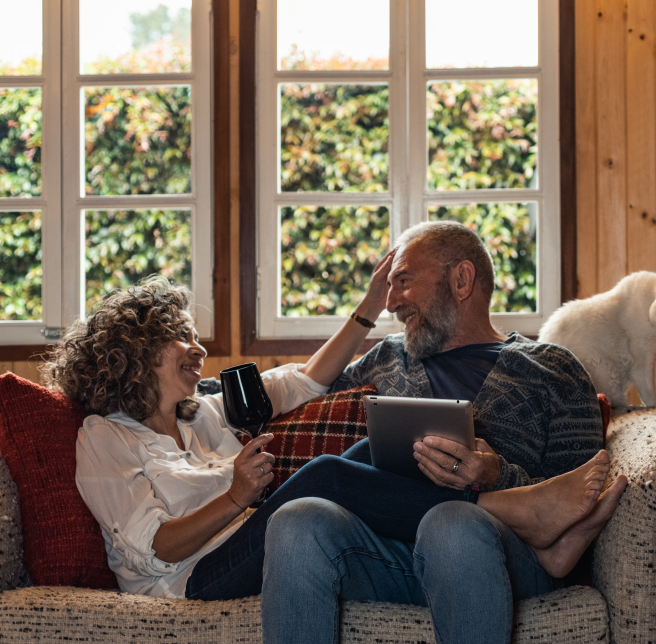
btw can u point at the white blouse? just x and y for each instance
(133, 480)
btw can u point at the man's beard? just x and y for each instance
(433, 328)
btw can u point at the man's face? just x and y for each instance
(419, 294)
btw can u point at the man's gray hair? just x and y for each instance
(454, 243)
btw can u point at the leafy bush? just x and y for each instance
(335, 138)
(137, 141)
(328, 255)
(20, 268)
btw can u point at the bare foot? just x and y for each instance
(539, 514)
(561, 556)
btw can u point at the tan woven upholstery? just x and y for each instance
(625, 555)
(11, 536)
(57, 614)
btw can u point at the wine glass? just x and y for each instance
(246, 402)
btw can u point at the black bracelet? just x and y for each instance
(235, 502)
(363, 321)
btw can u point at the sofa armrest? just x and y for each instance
(625, 559)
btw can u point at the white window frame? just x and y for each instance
(64, 202)
(408, 197)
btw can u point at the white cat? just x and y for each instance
(614, 335)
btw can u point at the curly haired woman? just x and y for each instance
(157, 465)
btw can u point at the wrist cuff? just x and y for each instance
(363, 321)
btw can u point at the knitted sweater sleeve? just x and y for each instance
(539, 411)
(360, 372)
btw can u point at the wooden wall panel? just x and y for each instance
(615, 140)
(641, 135)
(586, 148)
(610, 70)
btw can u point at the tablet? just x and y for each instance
(395, 424)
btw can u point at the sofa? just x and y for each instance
(619, 606)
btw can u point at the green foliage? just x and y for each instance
(20, 142)
(481, 134)
(123, 247)
(138, 141)
(328, 255)
(20, 268)
(334, 137)
(508, 232)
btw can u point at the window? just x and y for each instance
(105, 157)
(387, 113)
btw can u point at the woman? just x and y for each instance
(164, 476)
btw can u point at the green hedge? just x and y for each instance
(333, 138)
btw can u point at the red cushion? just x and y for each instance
(326, 425)
(62, 541)
(604, 405)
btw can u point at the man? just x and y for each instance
(536, 417)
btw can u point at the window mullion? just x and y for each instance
(268, 158)
(51, 262)
(72, 183)
(201, 169)
(417, 140)
(399, 170)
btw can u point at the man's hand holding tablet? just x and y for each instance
(448, 463)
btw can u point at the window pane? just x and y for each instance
(509, 233)
(156, 38)
(342, 35)
(328, 255)
(334, 137)
(124, 246)
(481, 33)
(482, 134)
(20, 142)
(21, 38)
(137, 140)
(20, 268)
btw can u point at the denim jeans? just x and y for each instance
(391, 506)
(466, 565)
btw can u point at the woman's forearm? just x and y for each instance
(327, 364)
(182, 537)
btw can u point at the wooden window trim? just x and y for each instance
(220, 346)
(250, 344)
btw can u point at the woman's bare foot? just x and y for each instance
(561, 556)
(539, 514)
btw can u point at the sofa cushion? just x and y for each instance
(625, 553)
(62, 541)
(11, 534)
(74, 614)
(326, 425)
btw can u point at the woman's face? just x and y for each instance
(180, 366)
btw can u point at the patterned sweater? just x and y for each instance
(537, 409)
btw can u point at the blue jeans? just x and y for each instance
(466, 566)
(391, 506)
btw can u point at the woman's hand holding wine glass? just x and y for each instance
(252, 472)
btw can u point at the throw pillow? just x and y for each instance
(604, 405)
(326, 425)
(63, 545)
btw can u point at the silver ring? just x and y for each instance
(263, 473)
(455, 467)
